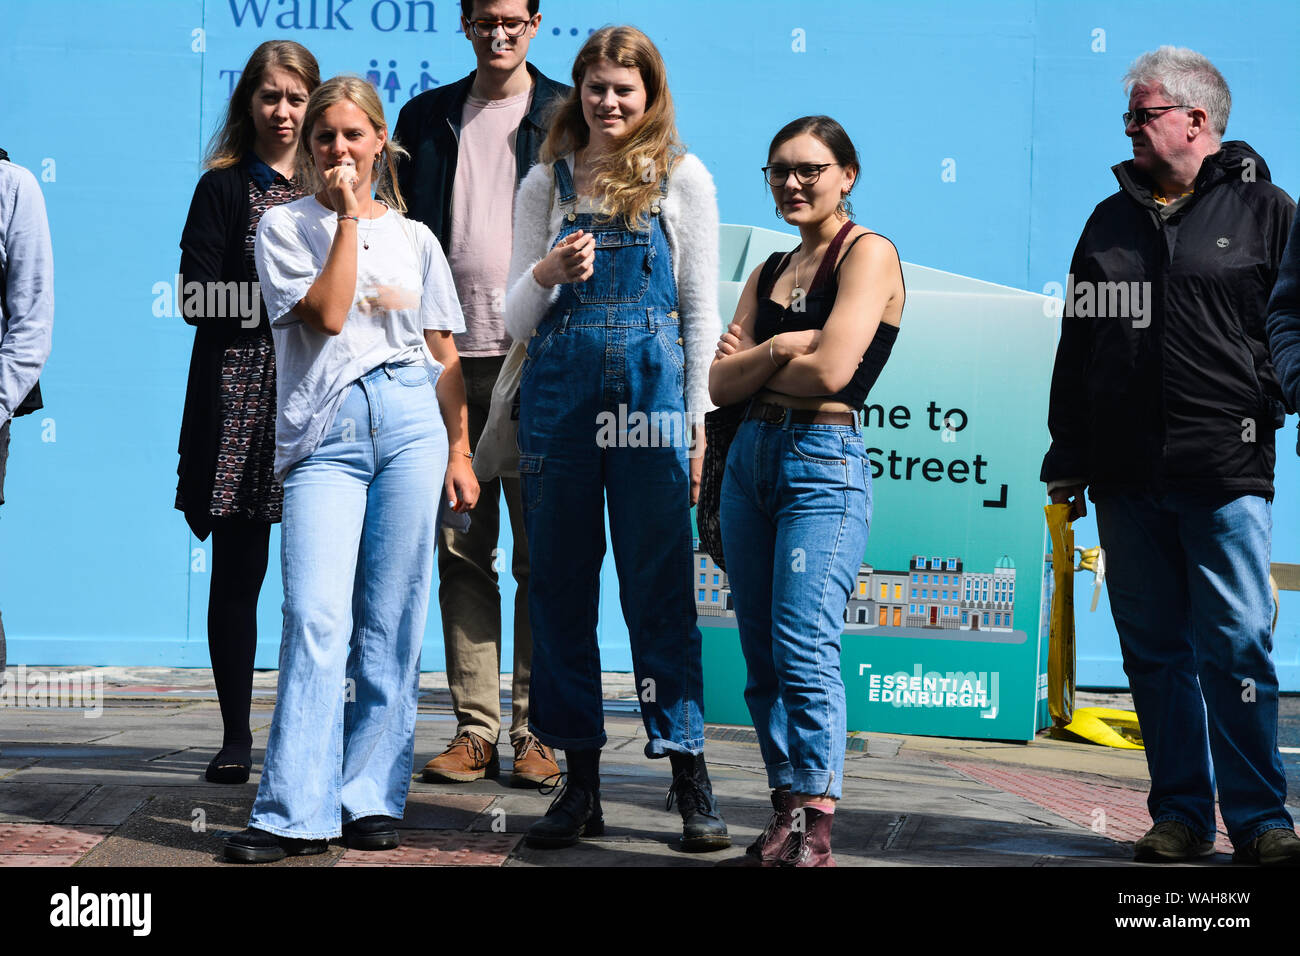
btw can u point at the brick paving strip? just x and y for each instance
(1119, 813)
(46, 844)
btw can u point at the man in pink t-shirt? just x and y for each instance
(471, 143)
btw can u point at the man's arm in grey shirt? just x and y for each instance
(27, 269)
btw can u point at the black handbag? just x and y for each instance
(720, 426)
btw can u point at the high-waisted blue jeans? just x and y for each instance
(357, 549)
(796, 502)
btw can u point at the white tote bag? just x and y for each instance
(497, 454)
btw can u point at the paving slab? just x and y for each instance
(443, 811)
(22, 803)
(181, 832)
(616, 853)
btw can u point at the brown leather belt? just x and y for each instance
(775, 415)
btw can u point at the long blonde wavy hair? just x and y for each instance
(627, 176)
(236, 136)
(348, 86)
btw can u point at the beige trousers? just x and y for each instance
(469, 596)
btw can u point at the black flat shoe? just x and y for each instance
(371, 833)
(258, 846)
(229, 766)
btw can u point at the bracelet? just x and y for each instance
(467, 454)
(353, 218)
(770, 343)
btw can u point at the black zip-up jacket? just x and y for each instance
(429, 129)
(1183, 397)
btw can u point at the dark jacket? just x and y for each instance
(1284, 322)
(212, 250)
(429, 129)
(1189, 401)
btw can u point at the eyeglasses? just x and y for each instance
(1140, 117)
(806, 173)
(485, 28)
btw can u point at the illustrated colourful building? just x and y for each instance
(934, 592)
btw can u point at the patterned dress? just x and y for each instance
(244, 485)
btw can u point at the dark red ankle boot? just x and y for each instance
(809, 840)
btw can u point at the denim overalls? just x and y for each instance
(602, 413)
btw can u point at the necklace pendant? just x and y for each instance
(796, 294)
(364, 244)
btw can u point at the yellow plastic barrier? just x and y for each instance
(1100, 725)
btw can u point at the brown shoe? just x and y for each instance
(764, 850)
(809, 840)
(468, 757)
(534, 763)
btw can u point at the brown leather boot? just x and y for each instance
(809, 840)
(468, 757)
(764, 850)
(534, 763)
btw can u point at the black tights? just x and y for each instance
(239, 553)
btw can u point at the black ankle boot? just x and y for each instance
(702, 826)
(575, 811)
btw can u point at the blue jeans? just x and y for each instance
(796, 503)
(357, 550)
(1187, 577)
(602, 416)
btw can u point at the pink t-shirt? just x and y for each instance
(482, 217)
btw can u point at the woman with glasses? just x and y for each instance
(371, 406)
(227, 486)
(614, 287)
(811, 334)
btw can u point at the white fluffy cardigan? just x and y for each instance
(690, 219)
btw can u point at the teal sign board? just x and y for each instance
(946, 631)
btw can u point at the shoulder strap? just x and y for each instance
(564, 182)
(774, 266)
(836, 271)
(831, 256)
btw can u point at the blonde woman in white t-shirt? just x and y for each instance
(370, 436)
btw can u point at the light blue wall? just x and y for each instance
(112, 102)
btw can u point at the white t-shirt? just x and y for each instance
(403, 287)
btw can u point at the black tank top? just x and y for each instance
(772, 318)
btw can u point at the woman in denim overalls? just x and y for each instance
(614, 380)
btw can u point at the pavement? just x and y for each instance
(120, 783)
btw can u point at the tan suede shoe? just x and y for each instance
(468, 757)
(534, 763)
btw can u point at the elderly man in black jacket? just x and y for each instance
(471, 143)
(1164, 403)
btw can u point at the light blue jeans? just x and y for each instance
(1187, 577)
(795, 507)
(357, 550)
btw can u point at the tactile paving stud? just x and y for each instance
(48, 839)
(1118, 813)
(37, 859)
(439, 848)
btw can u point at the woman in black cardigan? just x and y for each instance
(227, 444)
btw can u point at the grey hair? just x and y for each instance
(1188, 77)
